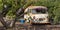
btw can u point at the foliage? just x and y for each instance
(52, 5)
(1, 4)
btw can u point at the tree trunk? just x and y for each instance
(2, 21)
(20, 12)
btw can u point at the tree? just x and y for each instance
(10, 6)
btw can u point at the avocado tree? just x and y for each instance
(3, 12)
(11, 8)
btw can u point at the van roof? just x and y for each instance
(34, 7)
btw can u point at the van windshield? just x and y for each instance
(38, 11)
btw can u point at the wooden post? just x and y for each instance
(34, 27)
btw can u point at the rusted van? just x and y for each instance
(36, 14)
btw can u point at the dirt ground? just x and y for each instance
(19, 26)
